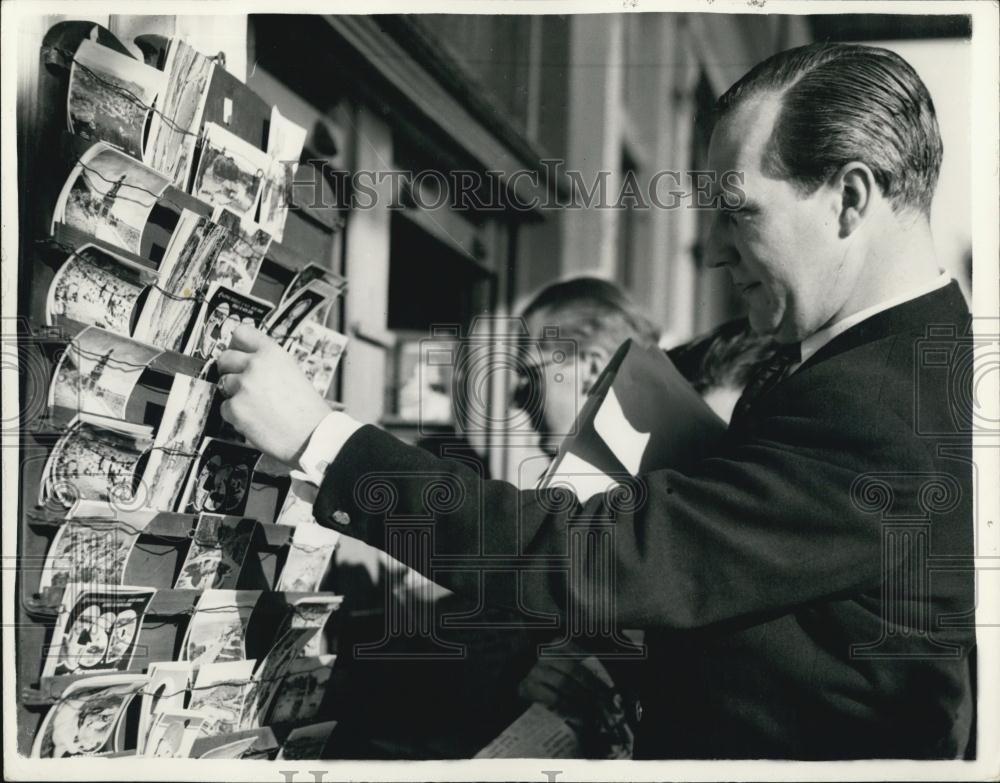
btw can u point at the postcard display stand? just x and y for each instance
(169, 583)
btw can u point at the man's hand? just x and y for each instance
(582, 692)
(269, 400)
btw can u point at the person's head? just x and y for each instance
(840, 151)
(593, 316)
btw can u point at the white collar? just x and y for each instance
(817, 340)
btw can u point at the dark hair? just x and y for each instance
(726, 357)
(593, 310)
(844, 102)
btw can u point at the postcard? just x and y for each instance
(173, 733)
(285, 140)
(217, 552)
(297, 508)
(312, 613)
(220, 481)
(301, 692)
(98, 289)
(308, 274)
(94, 460)
(312, 299)
(98, 371)
(317, 350)
(109, 195)
(84, 719)
(307, 742)
(218, 695)
(176, 123)
(166, 691)
(230, 750)
(88, 554)
(230, 171)
(175, 447)
(306, 618)
(217, 630)
(97, 631)
(182, 277)
(240, 259)
(309, 554)
(222, 311)
(110, 95)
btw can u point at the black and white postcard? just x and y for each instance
(98, 288)
(284, 148)
(98, 371)
(222, 311)
(173, 732)
(297, 506)
(167, 690)
(95, 460)
(219, 695)
(175, 447)
(308, 274)
(309, 301)
(83, 721)
(111, 95)
(309, 554)
(233, 749)
(88, 554)
(217, 630)
(216, 554)
(306, 619)
(307, 742)
(301, 692)
(97, 630)
(182, 277)
(230, 171)
(109, 195)
(240, 259)
(317, 350)
(220, 481)
(175, 126)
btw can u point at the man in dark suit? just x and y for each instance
(791, 583)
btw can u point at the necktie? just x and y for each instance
(768, 375)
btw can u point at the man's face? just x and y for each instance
(782, 248)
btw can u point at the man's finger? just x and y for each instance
(591, 671)
(231, 361)
(229, 385)
(574, 674)
(547, 695)
(568, 689)
(247, 338)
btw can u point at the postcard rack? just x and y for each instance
(262, 579)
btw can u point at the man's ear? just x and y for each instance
(858, 190)
(592, 362)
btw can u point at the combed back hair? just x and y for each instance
(843, 103)
(725, 358)
(593, 312)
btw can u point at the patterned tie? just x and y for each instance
(768, 375)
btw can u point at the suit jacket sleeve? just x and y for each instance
(771, 521)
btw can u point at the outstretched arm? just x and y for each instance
(763, 526)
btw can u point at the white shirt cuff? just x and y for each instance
(325, 444)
